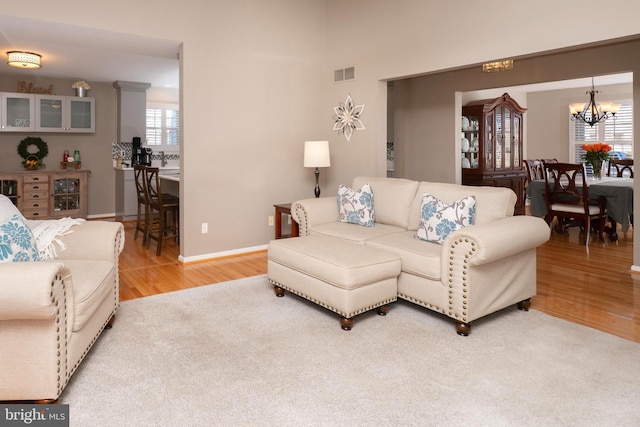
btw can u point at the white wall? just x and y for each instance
(257, 75)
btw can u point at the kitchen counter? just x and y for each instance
(162, 168)
(126, 194)
(170, 177)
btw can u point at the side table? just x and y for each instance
(284, 208)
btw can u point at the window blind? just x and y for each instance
(163, 125)
(616, 132)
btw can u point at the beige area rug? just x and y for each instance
(233, 354)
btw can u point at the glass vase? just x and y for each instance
(597, 170)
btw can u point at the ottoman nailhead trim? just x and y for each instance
(320, 303)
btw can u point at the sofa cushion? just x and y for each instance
(440, 219)
(356, 206)
(492, 203)
(93, 281)
(418, 257)
(16, 240)
(393, 198)
(353, 232)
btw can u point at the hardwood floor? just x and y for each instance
(592, 286)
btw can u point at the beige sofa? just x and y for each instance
(478, 270)
(52, 312)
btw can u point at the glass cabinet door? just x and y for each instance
(66, 194)
(489, 142)
(17, 112)
(9, 188)
(516, 142)
(49, 113)
(507, 139)
(81, 114)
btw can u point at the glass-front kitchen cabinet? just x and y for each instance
(65, 114)
(492, 145)
(68, 193)
(17, 112)
(11, 186)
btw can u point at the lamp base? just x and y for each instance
(317, 189)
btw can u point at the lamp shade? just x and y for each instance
(316, 154)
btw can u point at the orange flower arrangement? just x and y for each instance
(595, 154)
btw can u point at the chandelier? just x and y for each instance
(23, 59)
(593, 113)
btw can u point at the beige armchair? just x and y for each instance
(52, 312)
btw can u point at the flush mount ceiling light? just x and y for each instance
(492, 67)
(20, 59)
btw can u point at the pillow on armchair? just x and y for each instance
(16, 240)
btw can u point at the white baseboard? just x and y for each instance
(213, 255)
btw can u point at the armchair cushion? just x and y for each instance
(16, 240)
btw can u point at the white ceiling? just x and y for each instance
(93, 55)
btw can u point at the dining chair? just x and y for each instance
(533, 169)
(161, 205)
(143, 202)
(567, 199)
(622, 168)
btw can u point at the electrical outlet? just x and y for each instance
(271, 221)
(205, 227)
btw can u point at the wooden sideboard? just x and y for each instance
(47, 194)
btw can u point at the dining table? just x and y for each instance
(618, 193)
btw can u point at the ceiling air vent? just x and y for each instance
(344, 74)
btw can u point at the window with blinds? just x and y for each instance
(616, 132)
(163, 125)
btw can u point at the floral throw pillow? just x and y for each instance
(356, 206)
(16, 241)
(439, 219)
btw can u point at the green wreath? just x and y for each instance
(23, 147)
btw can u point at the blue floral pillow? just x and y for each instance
(439, 219)
(16, 241)
(356, 207)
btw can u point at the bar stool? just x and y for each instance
(160, 205)
(143, 203)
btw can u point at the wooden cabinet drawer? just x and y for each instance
(27, 179)
(36, 195)
(35, 204)
(36, 187)
(39, 213)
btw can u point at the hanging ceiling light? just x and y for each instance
(23, 59)
(593, 113)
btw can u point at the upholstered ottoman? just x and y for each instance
(345, 277)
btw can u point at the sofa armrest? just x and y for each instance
(29, 289)
(93, 240)
(500, 239)
(310, 212)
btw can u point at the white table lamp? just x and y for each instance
(316, 155)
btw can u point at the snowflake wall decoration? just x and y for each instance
(347, 118)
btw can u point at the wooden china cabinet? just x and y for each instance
(492, 137)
